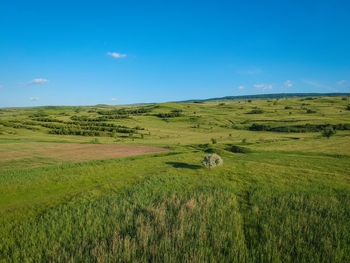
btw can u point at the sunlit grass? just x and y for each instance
(285, 199)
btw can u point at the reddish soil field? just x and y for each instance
(72, 152)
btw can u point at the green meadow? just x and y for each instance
(281, 195)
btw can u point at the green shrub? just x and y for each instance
(212, 149)
(95, 141)
(310, 111)
(328, 131)
(237, 149)
(255, 111)
(259, 127)
(173, 114)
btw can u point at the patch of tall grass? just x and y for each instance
(173, 218)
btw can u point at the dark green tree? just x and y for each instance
(328, 131)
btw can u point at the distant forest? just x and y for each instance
(270, 96)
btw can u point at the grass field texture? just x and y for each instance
(282, 194)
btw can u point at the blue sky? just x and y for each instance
(120, 52)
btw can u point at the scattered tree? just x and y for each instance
(328, 131)
(310, 111)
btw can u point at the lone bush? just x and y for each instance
(328, 131)
(212, 160)
(95, 141)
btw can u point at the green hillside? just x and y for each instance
(281, 195)
(271, 96)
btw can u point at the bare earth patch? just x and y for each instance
(71, 151)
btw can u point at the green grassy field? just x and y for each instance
(282, 194)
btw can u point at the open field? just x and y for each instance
(75, 185)
(29, 153)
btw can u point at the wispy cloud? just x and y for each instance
(341, 82)
(33, 98)
(314, 83)
(288, 84)
(250, 71)
(116, 55)
(262, 86)
(1, 86)
(241, 88)
(37, 81)
(113, 99)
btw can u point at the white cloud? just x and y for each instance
(38, 81)
(288, 83)
(241, 88)
(262, 86)
(33, 98)
(250, 71)
(341, 82)
(113, 99)
(314, 83)
(116, 55)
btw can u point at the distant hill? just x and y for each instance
(270, 96)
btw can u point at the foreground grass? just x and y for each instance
(177, 219)
(184, 213)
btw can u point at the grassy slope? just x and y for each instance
(286, 201)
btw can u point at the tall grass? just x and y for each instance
(187, 219)
(297, 226)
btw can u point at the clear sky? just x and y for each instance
(59, 52)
